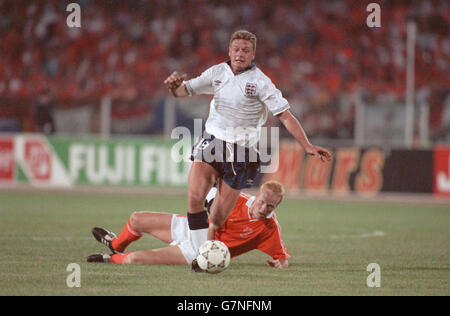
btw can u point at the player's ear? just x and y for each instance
(279, 202)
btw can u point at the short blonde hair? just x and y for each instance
(245, 35)
(275, 187)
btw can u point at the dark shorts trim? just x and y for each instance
(238, 166)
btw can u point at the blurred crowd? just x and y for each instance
(321, 54)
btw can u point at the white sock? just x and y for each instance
(198, 237)
(198, 228)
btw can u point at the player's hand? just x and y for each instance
(319, 152)
(278, 264)
(174, 81)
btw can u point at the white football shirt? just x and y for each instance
(240, 104)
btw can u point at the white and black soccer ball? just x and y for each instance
(213, 256)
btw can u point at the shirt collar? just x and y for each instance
(250, 201)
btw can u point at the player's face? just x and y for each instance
(265, 203)
(241, 54)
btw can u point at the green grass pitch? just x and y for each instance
(331, 244)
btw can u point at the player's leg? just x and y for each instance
(201, 179)
(222, 206)
(238, 173)
(156, 224)
(179, 252)
(153, 223)
(170, 255)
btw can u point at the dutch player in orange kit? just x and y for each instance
(245, 230)
(251, 225)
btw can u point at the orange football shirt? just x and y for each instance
(242, 233)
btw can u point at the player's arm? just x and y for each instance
(176, 86)
(278, 263)
(199, 85)
(272, 244)
(296, 130)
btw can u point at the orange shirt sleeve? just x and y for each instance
(271, 242)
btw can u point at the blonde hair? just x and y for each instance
(245, 35)
(275, 187)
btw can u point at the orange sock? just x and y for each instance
(126, 237)
(119, 257)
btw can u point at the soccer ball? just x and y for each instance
(213, 256)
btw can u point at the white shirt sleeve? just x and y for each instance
(271, 97)
(202, 84)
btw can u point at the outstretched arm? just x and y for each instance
(175, 85)
(296, 130)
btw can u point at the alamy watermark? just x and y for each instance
(372, 20)
(74, 277)
(244, 148)
(374, 278)
(74, 18)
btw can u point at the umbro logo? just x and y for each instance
(217, 82)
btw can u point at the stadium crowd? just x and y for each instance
(321, 54)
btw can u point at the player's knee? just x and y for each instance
(135, 220)
(139, 257)
(196, 201)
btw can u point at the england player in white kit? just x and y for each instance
(240, 104)
(243, 96)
